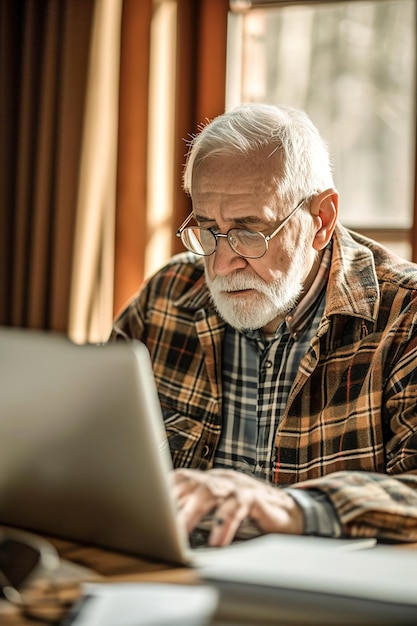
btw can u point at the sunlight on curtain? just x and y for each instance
(91, 302)
(161, 133)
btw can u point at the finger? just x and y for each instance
(185, 482)
(217, 486)
(183, 491)
(180, 477)
(196, 505)
(227, 519)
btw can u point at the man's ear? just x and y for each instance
(324, 208)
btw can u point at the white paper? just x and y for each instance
(145, 604)
(385, 573)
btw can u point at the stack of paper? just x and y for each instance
(282, 579)
(144, 604)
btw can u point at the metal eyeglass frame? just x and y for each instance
(266, 238)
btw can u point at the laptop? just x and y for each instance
(84, 454)
(83, 448)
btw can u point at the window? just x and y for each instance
(351, 66)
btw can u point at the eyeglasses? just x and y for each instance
(246, 243)
(28, 566)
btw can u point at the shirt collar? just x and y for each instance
(297, 320)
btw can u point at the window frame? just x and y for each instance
(384, 235)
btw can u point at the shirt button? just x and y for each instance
(268, 364)
(206, 451)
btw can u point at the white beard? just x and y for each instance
(266, 302)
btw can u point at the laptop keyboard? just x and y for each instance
(199, 538)
(200, 534)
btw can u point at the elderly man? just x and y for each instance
(284, 346)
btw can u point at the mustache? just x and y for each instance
(237, 282)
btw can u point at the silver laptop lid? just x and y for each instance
(84, 454)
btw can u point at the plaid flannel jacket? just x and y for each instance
(350, 425)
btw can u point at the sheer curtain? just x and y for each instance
(91, 293)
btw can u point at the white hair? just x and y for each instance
(283, 133)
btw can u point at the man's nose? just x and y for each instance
(226, 260)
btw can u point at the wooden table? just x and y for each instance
(103, 566)
(107, 566)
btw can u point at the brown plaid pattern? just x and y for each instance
(350, 426)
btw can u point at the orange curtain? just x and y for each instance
(200, 93)
(44, 60)
(201, 81)
(130, 223)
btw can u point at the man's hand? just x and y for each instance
(233, 497)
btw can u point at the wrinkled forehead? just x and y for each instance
(258, 170)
